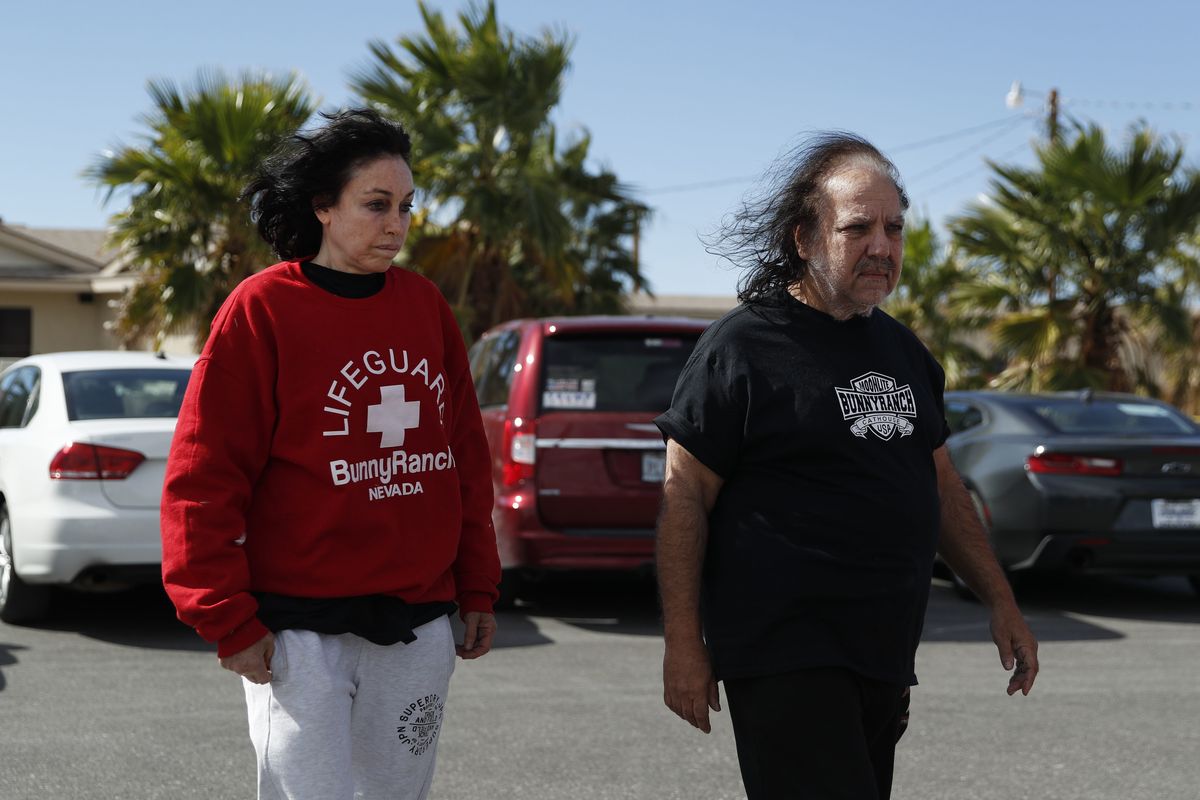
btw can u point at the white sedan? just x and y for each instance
(83, 447)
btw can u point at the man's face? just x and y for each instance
(854, 259)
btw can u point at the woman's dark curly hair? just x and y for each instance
(761, 237)
(309, 169)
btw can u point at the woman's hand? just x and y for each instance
(254, 663)
(477, 640)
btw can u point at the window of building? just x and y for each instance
(16, 332)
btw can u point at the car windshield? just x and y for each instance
(621, 372)
(1118, 418)
(117, 393)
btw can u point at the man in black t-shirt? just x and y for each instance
(807, 489)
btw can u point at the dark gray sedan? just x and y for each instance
(1086, 481)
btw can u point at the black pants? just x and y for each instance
(815, 734)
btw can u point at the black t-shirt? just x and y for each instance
(822, 538)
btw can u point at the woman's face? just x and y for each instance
(365, 229)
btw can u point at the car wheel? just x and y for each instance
(19, 601)
(512, 582)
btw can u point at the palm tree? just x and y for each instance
(1085, 263)
(923, 301)
(185, 230)
(513, 224)
(1180, 366)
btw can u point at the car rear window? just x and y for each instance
(118, 393)
(626, 372)
(1113, 417)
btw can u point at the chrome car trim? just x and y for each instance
(602, 444)
(1034, 556)
(632, 533)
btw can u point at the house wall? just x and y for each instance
(62, 322)
(180, 345)
(59, 321)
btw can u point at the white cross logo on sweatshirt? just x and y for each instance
(392, 416)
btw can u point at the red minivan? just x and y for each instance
(577, 464)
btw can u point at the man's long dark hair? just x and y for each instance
(761, 237)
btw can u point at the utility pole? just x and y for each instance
(1052, 112)
(1052, 127)
(1016, 96)
(637, 239)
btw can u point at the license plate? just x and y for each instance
(1175, 513)
(654, 466)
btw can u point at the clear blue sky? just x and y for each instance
(675, 92)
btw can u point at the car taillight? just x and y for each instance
(520, 451)
(1071, 464)
(91, 462)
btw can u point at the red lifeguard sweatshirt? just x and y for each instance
(327, 447)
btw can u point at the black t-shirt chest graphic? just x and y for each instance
(822, 536)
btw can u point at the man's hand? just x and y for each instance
(689, 688)
(1017, 648)
(477, 640)
(690, 490)
(965, 548)
(253, 663)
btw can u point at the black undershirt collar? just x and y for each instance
(343, 284)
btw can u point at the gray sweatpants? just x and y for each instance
(344, 718)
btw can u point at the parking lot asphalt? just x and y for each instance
(115, 699)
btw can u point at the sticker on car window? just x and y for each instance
(570, 384)
(585, 400)
(1142, 410)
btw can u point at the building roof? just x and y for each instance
(43, 271)
(66, 256)
(681, 305)
(60, 259)
(91, 243)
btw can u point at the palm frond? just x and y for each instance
(184, 229)
(546, 232)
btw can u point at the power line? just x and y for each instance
(1163, 105)
(944, 137)
(1152, 105)
(687, 187)
(964, 175)
(954, 135)
(966, 152)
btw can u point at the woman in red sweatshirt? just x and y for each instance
(328, 493)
